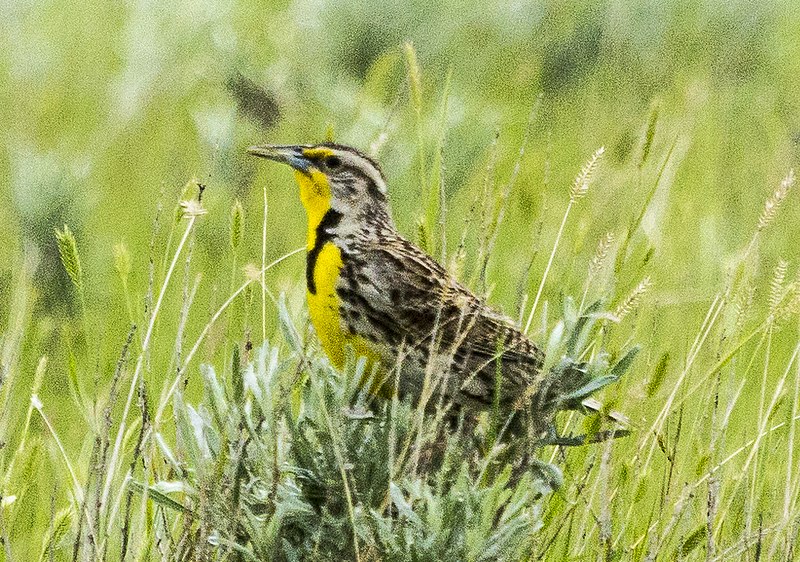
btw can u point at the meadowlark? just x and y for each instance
(371, 289)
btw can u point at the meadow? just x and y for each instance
(162, 396)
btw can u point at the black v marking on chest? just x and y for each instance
(329, 220)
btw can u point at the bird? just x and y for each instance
(422, 332)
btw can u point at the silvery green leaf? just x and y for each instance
(216, 395)
(623, 364)
(403, 507)
(198, 425)
(158, 497)
(168, 454)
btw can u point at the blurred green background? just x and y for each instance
(108, 109)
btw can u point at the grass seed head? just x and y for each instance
(68, 250)
(776, 285)
(601, 253)
(633, 299)
(192, 208)
(743, 305)
(584, 179)
(122, 260)
(774, 202)
(237, 224)
(414, 76)
(252, 272)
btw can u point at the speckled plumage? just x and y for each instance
(392, 299)
(396, 295)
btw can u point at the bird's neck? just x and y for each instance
(326, 223)
(315, 194)
(321, 227)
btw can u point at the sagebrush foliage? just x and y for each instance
(286, 459)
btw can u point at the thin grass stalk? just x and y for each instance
(415, 87)
(762, 431)
(13, 335)
(126, 525)
(122, 265)
(761, 406)
(4, 533)
(721, 464)
(38, 378)
(578, 191)
(678, 511)
(151, 262)
(164, 402)
(392, 434)
(636, 223)
(105, 433)
(547, 267)
(428, 388)
(77, 489)
(605, 551)
(713, 313)
(483, 199)
(264, 268)
(589, 515)
(787, 496)
(712, 495)
(442, 224)
(579, 486)
(187, 297)
(342, 471)
(479, 199)
(722, 363)
(112, 466)
(121, 493)
(504, 195)
(436, 206)
(93, 528)
(657, 425)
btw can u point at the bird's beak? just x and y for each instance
(286, 154)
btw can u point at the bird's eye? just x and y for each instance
(333, 162)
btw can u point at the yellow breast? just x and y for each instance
(323, 308)
(323, 275)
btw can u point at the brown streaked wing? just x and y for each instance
(417, 298)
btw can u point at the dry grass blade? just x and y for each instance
(649, 136)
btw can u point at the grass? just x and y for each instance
(281, 456)
(162, 397)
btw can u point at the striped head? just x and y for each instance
(332, 176)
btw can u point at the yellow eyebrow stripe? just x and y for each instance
(314, 153)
